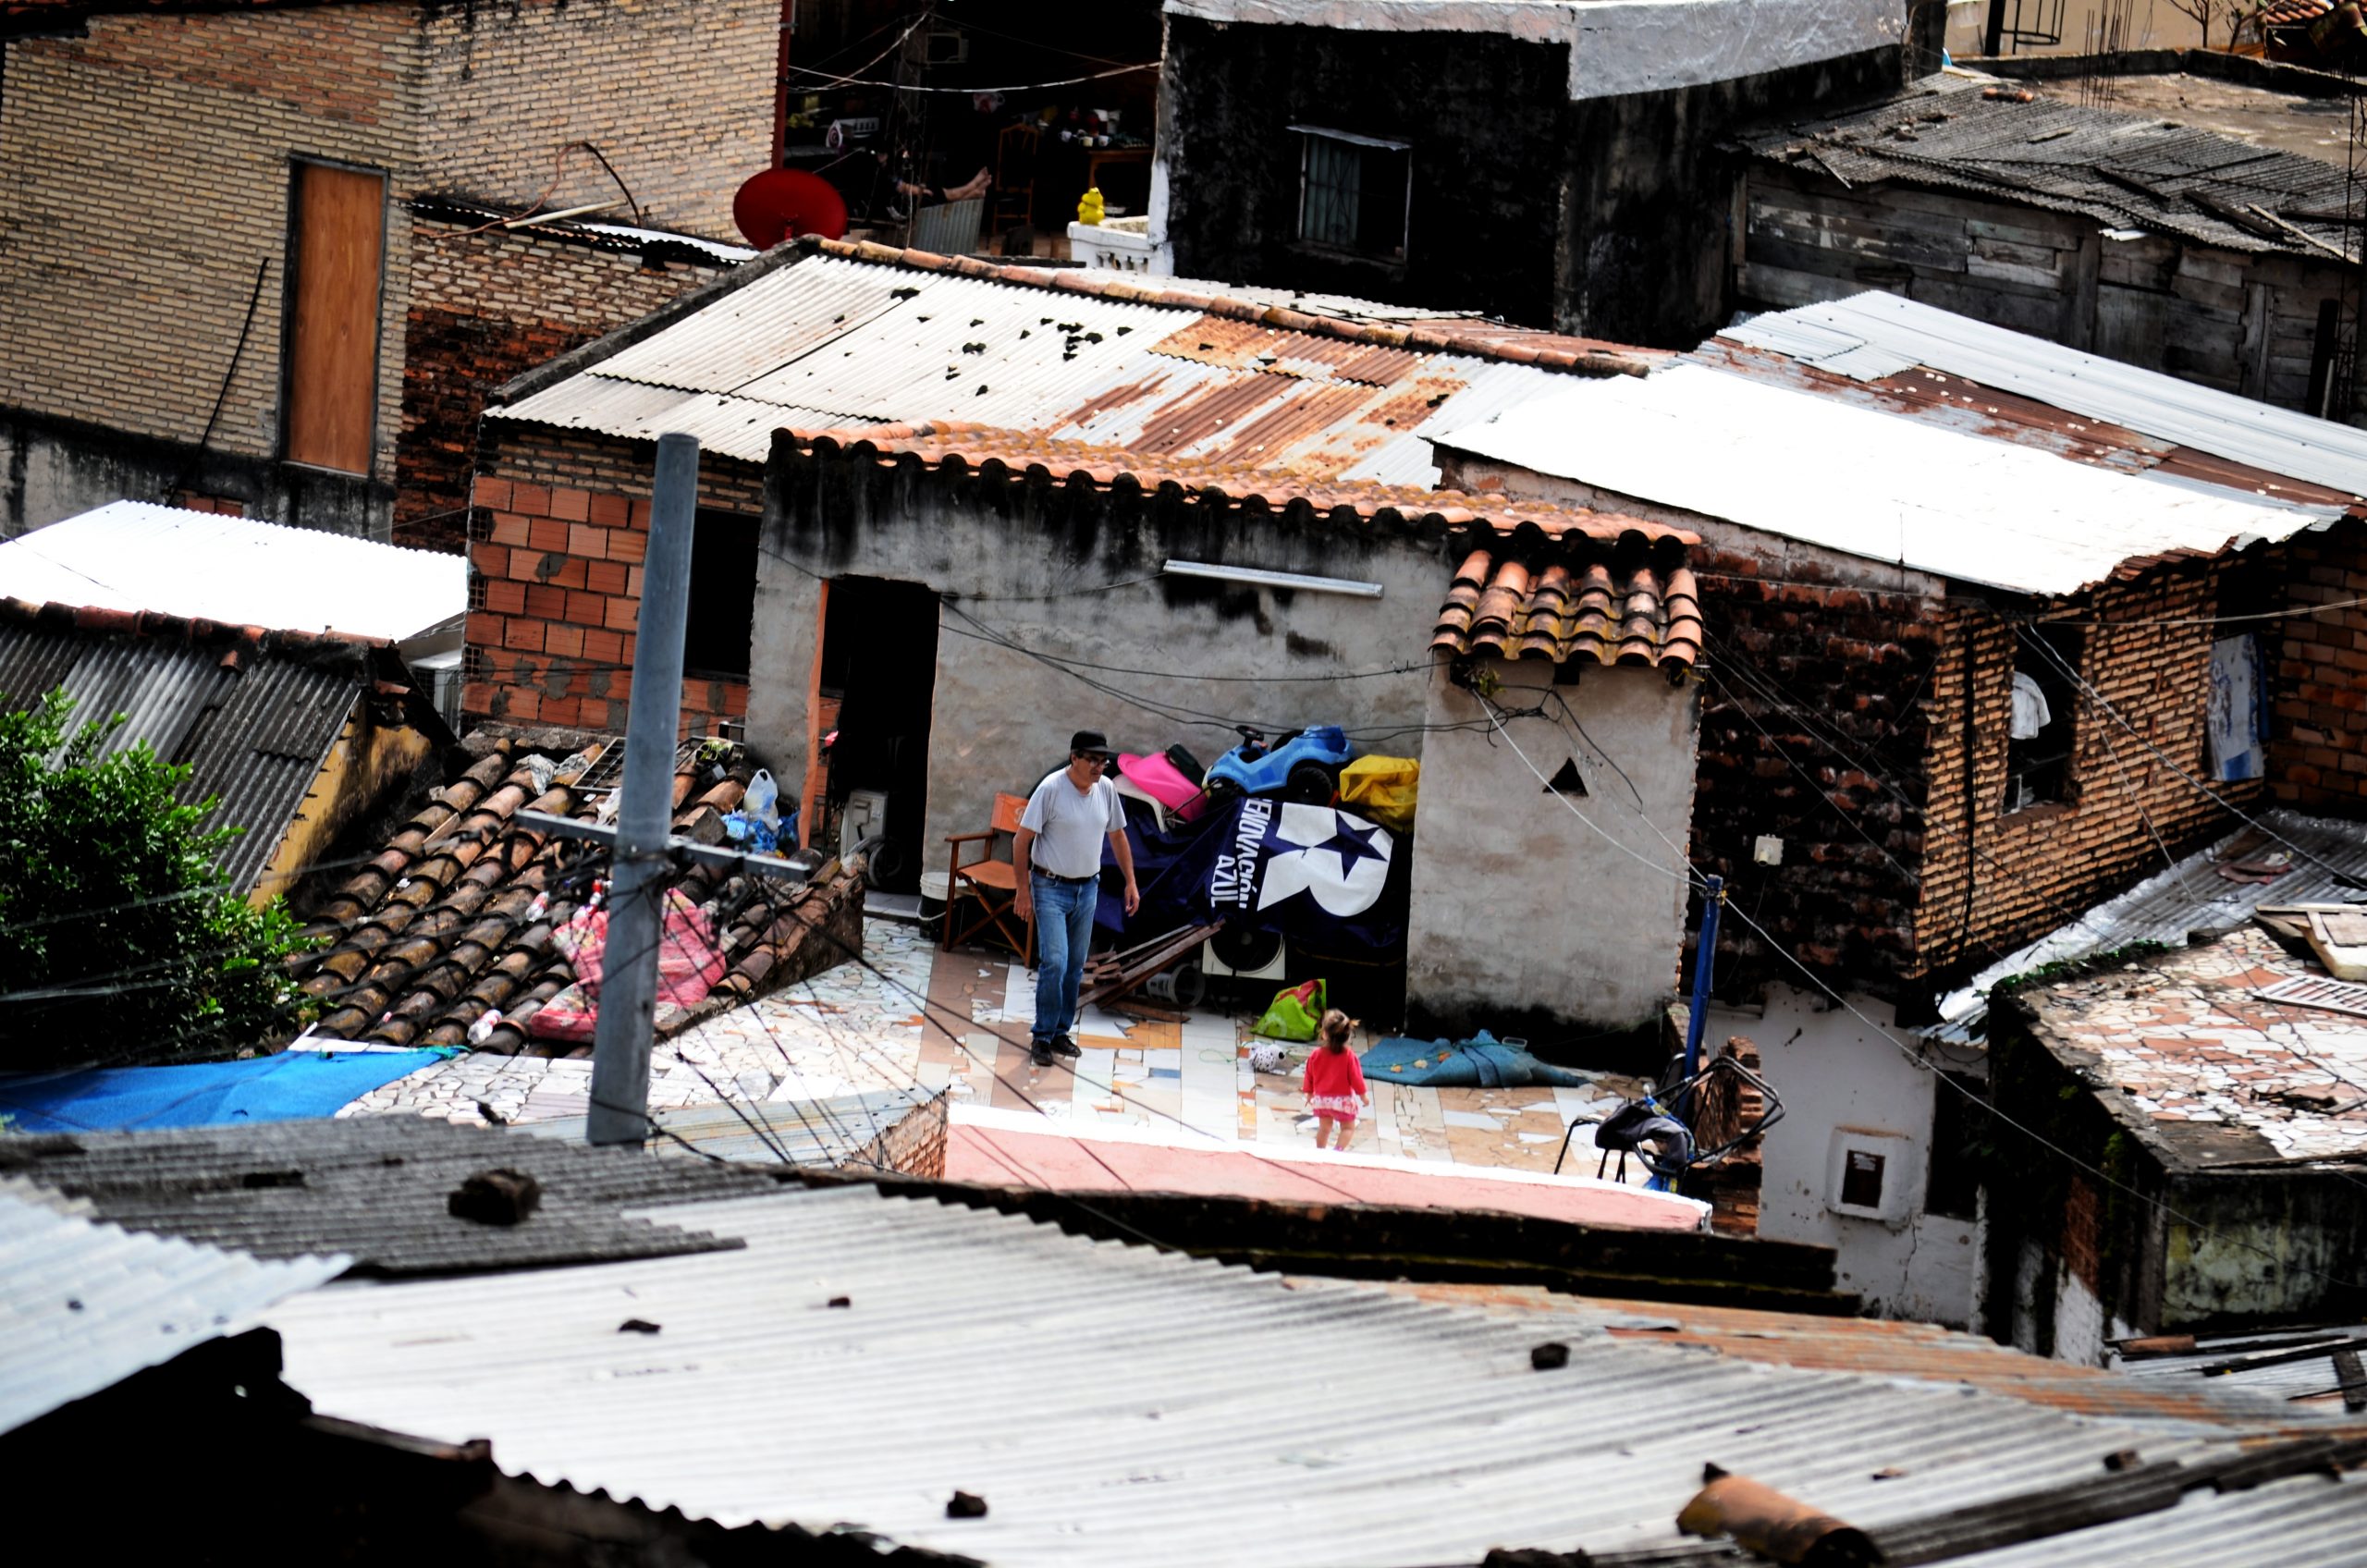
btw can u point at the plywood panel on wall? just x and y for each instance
(333, 330)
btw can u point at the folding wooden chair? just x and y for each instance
(991, 884)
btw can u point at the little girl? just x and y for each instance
(1335, 1080)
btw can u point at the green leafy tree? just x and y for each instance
(119, 941)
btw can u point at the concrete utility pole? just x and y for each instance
(645, 808)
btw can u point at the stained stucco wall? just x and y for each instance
(1834, 1070)
(1518, 903)
(1024, 562)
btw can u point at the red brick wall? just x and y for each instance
(486, 307)
(557, 531)
(2033, 870)
(2317, 760)
(1809, 686)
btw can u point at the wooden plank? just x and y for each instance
(2078, 329)
(2130, 324)
(333, 336)
(1857, 236)
(2011, 271)
(2252, 348)
(1997, 303)
(1782, 288)
(2214, 266)
(2050, 237)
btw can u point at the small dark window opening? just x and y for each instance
(1959, 1112)
(2044, 698)
(1861, 1179)
(1567, 780)
(1354, 193)
(723, 596)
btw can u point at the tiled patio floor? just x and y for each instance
(855, 1028)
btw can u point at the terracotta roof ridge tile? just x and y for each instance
(1553, 351)
(100, 620)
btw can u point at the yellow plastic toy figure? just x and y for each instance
(1089, 209)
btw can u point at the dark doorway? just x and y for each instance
(879, 662)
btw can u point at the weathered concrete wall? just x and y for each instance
(1025, 563)
(2265, 1248)
(1487, 118)
(1616, 46)
(1517, 901)
(1834, 1071)
(1646, 214)
(56, 468)
(1583, 192)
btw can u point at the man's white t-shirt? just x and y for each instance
(1070, 824)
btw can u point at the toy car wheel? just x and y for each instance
(1309, 782)
(1221, 792)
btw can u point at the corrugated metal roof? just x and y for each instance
(375, 1188)
(87, 1304)
(1117, 1404)
(833, 342)
(1866, 482)
(2120, 168)
(135, 556)
(2306, 1522)
(253, 737)
(1895, 1349)
(1875, 334)
(2306, 1385)
(2185, 900)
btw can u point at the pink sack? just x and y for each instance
(688, 967)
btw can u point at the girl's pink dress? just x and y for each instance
(1334, 1084)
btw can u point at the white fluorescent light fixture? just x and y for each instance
(1251, 574)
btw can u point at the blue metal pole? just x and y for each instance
(1705, 953)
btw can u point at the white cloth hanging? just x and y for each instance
(2031, 712)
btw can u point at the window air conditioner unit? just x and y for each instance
(1244, 955)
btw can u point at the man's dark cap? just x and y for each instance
(1092, 743)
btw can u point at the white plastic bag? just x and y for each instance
(763, 800)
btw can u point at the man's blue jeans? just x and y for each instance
(1063, 935)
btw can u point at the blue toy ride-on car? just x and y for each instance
(1302, 766)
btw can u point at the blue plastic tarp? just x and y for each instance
(1482, 1062)
(286, 1087)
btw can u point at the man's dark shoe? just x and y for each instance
(1063, 1046)
(1039, 1052)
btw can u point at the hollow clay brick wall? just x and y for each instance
(484, 308)
(145, 168)
(2033, 870)
(2317, 760)
(559, 528)
(676, 94)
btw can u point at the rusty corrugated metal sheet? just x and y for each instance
(834, 343)
(1923, 1352)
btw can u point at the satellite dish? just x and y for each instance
(782, 204)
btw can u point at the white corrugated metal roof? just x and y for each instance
(1874, 335)
(87, 1304)
(1870, 483)
(137, 556)
(1113, 1404)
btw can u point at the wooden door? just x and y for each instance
(338, 248)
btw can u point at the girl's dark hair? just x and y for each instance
(1335, 1030)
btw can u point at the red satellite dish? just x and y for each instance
(782, 204)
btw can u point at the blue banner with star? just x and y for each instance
(1316, 874)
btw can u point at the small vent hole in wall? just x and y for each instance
(1565, 779)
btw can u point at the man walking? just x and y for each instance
(1060, 843)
